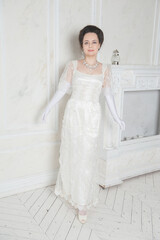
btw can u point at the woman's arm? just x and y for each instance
(109, 98)
(64, 86)
(56, 98)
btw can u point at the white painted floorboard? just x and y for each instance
(130, 211)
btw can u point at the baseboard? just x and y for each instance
(137, 172)
(27, 183)
(129, 174)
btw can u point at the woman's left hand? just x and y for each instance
(122, 124)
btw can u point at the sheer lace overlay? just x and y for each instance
(78, 179)
(66, 75)
(107, 77)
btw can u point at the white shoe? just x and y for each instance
(82, 216)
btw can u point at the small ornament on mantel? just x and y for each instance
(115, 57)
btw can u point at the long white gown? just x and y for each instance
(77, 180)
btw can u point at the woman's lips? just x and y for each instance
(90, 50)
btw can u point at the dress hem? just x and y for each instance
(75, 205)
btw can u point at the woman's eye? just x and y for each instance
(87, 43)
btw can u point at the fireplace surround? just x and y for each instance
(135, 151)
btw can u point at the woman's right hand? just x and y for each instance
(43, 118)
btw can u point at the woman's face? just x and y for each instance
(90, 44)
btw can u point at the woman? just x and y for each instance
(84, 80)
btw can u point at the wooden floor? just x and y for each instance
(130, 211)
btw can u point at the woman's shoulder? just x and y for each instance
(105, 64)
(105, 67)
(72, 61)
(71, 64)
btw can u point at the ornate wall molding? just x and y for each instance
(96, 17)
(155, 49)
(56, 56)
(26, 128)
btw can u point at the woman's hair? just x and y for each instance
(94, 29)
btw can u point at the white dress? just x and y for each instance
(77, 180)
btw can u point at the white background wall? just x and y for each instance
(37, 39)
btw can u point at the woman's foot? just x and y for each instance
(82, 215)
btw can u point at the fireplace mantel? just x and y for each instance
(120, 160)
(137, 77)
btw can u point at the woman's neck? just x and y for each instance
(90, 60)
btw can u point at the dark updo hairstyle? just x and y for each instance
(91, 28)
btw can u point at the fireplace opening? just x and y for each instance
(141, 113)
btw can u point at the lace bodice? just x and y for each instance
(86, 87)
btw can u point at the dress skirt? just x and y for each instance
(77, 179)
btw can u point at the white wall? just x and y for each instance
(37, 39)
(128, 27)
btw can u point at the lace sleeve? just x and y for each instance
(107, 77)
(66, 76)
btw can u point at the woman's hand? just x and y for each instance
(56, 98)
(122, 124)
(107, 91)
(43, 118)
